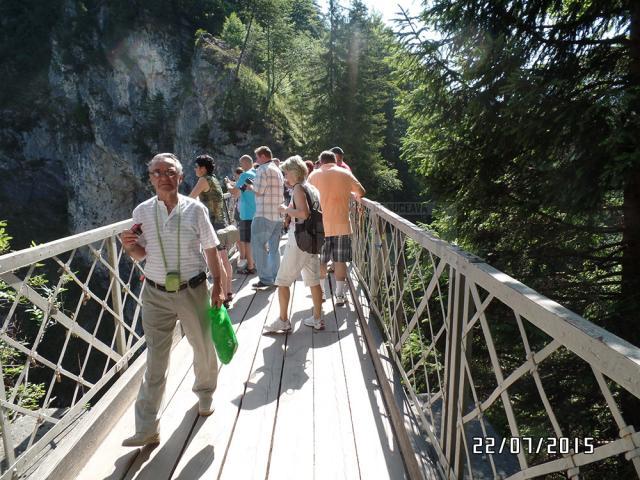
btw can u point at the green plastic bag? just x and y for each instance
(222, 334)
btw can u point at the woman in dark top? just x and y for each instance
(209, 191)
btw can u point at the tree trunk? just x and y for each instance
(246, 40)
(332, 47)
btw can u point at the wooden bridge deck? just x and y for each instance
(306, 405)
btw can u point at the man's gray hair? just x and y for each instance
(167, 156)
(296, 164)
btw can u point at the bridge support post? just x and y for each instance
(375, 262)
(454, 377)
(116, 296)
(7, 443)
(399, 315)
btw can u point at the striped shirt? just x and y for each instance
(268, 185)
(195, 231)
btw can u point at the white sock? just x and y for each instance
(339, 287)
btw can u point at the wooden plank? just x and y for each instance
(178, 420)
(378, 453)
(414, 447)
(206, 447)
(292, 448)
(334, 443)
(254, 427)
(112, 460)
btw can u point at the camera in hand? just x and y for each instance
(248, 181)
(137, 229)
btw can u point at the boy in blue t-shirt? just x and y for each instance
(247, 210)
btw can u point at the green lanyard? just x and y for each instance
(164, 258)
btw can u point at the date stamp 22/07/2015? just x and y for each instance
(548, 445)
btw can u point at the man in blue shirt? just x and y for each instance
(247, 210)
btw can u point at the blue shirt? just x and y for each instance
(247, 204)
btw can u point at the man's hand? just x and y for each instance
(130, 244)
(217, 293)
(129, 239)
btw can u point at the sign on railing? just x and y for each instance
(507, 383)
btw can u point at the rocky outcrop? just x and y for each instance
(83, 163)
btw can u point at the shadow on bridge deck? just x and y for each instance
(303, 405)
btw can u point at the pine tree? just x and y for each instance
(523, 118)
(351, 89)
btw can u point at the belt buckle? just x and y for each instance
(197, 280)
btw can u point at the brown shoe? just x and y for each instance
(141, 439)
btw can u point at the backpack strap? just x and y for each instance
(309, 201)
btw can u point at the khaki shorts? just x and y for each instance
(295, 261)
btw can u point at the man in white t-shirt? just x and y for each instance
(173, 232)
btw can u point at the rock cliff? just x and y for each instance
(107, 108)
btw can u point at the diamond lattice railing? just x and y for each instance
(507, 383)
(70, 322)
(70, 316)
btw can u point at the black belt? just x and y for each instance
(193, 282)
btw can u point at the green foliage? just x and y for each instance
(351, 98)
(242, 104)
(11, 359)
(30, 395)
(5, 239)
(233, 31)
(518, 138)
(522, 118)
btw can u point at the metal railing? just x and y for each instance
(506, 382)
(70, 312)
(70, 323)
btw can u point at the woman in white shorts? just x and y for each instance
(295, 260)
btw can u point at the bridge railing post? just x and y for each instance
(454, 376)
(375, 261)
(116, 295)
(7, 443)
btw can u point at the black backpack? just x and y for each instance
(310, 233)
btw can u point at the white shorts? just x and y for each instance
(295, 261)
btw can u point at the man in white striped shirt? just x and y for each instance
(267, 224)
(174, 230)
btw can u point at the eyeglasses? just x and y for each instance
(166, 173)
